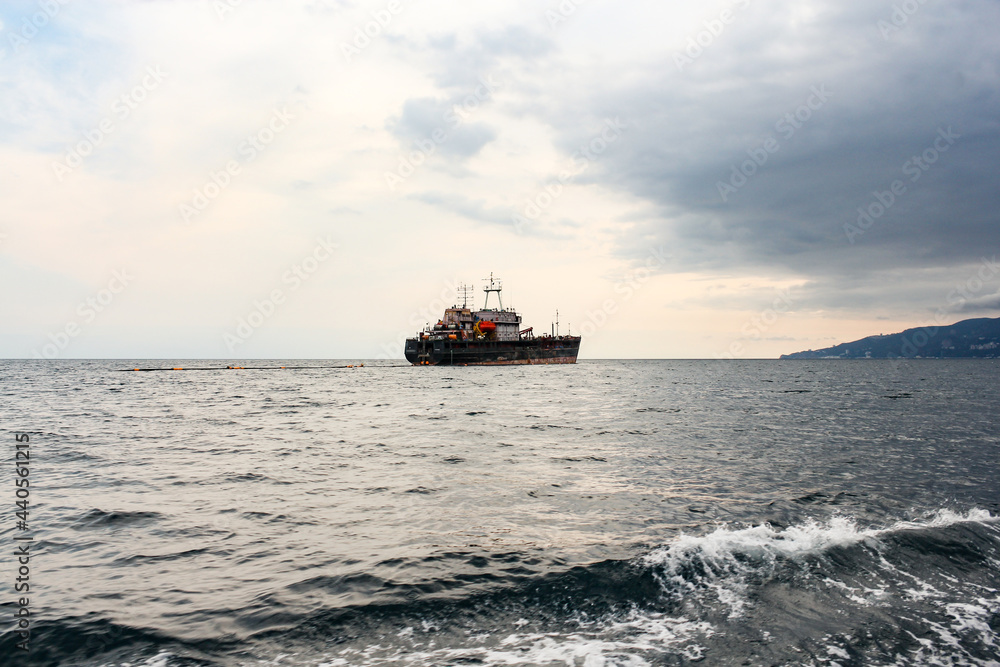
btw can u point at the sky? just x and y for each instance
(313, 179)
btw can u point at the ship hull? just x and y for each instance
(559, 350)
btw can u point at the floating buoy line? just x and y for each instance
(252, 368)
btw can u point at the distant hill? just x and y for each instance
(979, 338)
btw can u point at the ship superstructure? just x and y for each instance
(489, 336)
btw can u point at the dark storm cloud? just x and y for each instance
(987, 303)
(824, 114)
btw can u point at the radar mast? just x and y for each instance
(494, 286)
(464, 291)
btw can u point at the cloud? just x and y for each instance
(457, 60)
(425, 119)
(847, 113)
(987, 303)
(473, 209)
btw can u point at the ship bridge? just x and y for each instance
(508, 322)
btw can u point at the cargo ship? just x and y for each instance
(487, 337)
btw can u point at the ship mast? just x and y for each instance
(464, 291)
(494, 286)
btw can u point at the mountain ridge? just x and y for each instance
(976, 338)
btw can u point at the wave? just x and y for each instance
(825, 593)
(92, 640)
(834, 592)
(97, 518)
(727, 560)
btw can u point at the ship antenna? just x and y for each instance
(495, 285)
(464, 290)
(557, 321)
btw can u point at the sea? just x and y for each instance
(607, 513)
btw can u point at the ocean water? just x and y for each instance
(608, 513)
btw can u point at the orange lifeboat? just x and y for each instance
(487, 327)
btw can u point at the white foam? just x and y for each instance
(973, 619)
(795, 541)
(838, 652)
(621, 643)
(161, 659)
(722, 561)
(628, 641)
